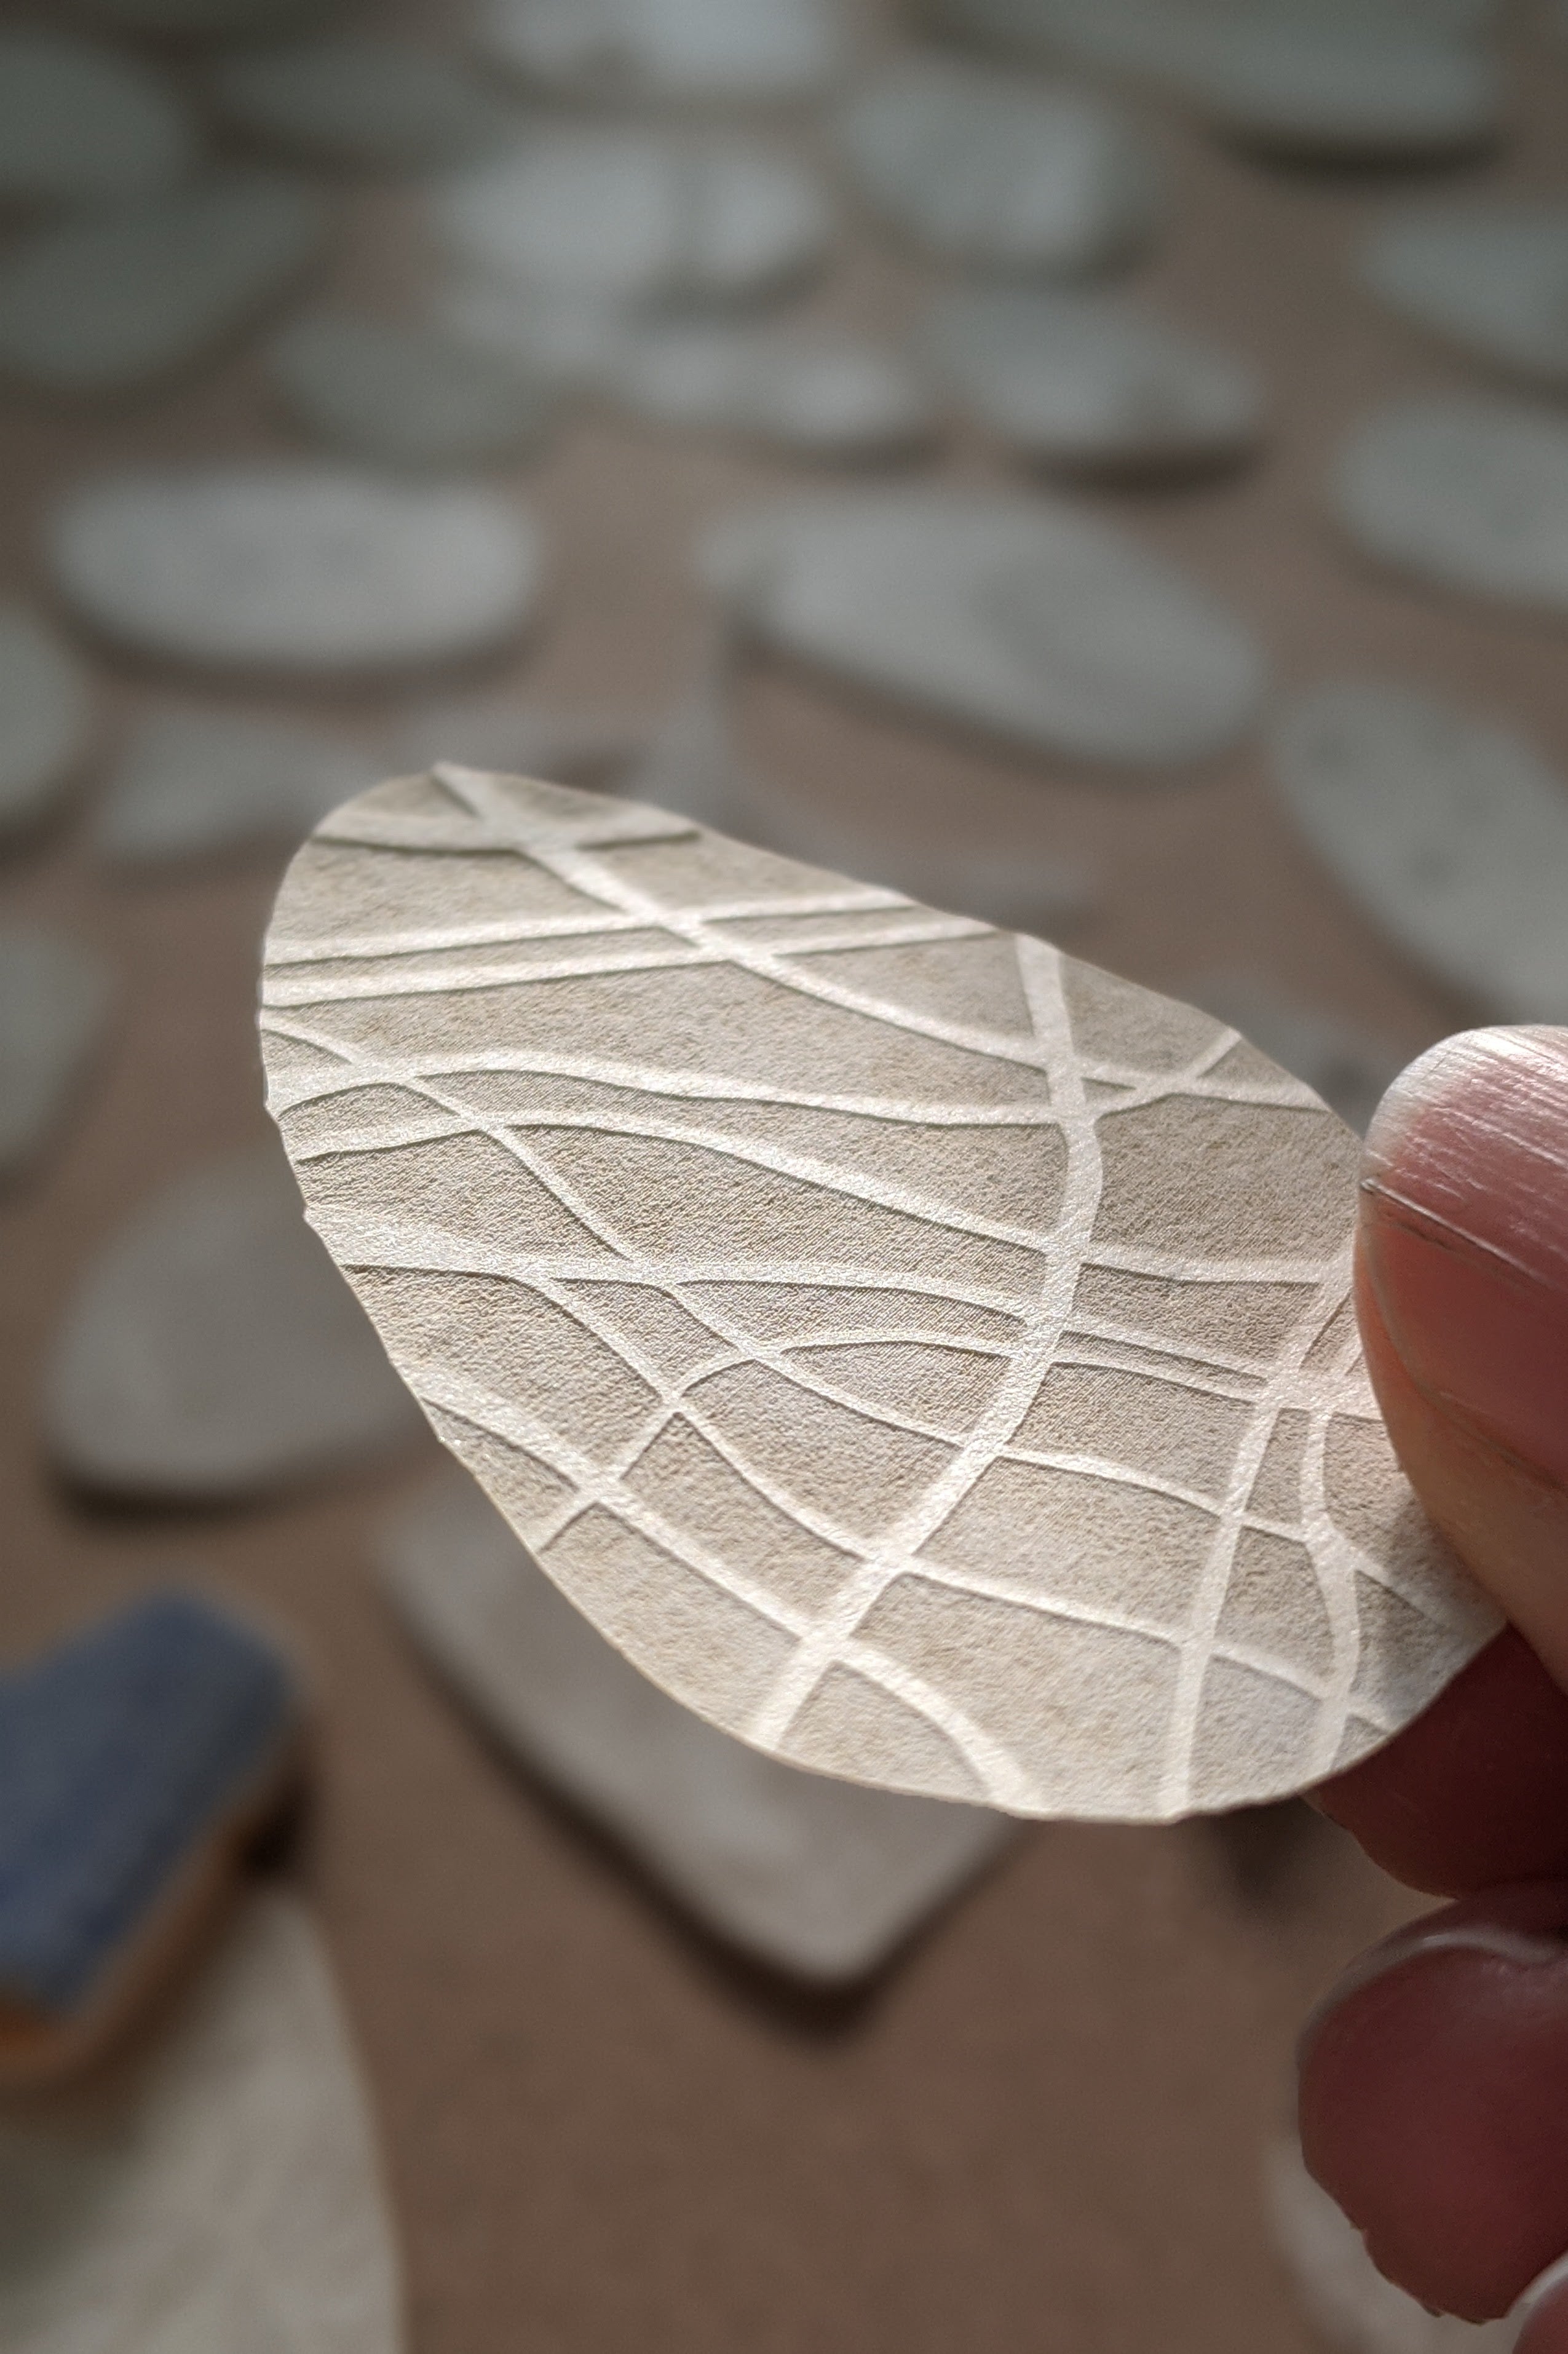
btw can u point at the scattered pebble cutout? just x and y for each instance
(1344, 2296)
(1347, 1065)
(1467, 491)
(1448, 828)
(45, 717)
(210, 1351)
(116, 304)
(200, 784)
(1089, 383)
(81, 124)
(224, 2191)
(366, 102)
(807, 1874)
(55, 997)
(983, 169)
(408, 397)
(925, 1357)
(1492, 277)
(657, 50)
(1342, 88)
(620, 214)
(821, 392)
(1339, 81)
(1030, 620)
(302, 569)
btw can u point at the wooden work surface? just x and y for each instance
(1043, 2130)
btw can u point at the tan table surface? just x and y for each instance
(1043, 2130)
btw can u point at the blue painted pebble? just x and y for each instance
(134, 1759)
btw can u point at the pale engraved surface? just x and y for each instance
(928, 1357)
(219, 2193)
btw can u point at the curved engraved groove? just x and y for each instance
(928, 1357)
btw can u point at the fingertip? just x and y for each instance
(1430, 2100)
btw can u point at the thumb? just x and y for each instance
(1463, 1295)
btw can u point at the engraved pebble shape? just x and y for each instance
(809, 1874)
(1466, 491)
(617, 214)
(408, 397)
(223, 2192)
(1448, 828)
(112, 306)
(196, 784)
(1492, 278)
(821, 392)
(1352, 2306)
(983, 169)
(1088, 382)
(45, 717)
(55, 994)
(354, 100)
(1323, 80)
(306, 570)
(1031, 619)
(926, 1357)
(80, 123)
(211, 1352)
(666, 49)
(1341, 89)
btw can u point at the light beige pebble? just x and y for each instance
(821, 392)
(309, 570)
(661, 50)
(809, 1875)
(1449, 829)
(928, 1358)
(210, 1352)
(365, 101)
(1491, 276)
(1092, 382)
(630, 212)
(111, 306)
(982, 168)
(56, 994)
(408, 397)
(195, 784)
(1029, 619)
(1465, 492)
(224, 2190)
(81, 123)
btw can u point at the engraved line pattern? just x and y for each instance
(811, 1324)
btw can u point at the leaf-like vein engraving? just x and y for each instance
(928, 1357)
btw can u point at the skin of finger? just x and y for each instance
(1431, 2107)
(1507, 1521)
(1475, 1792)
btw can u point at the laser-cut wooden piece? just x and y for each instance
(225, 2192)
(926, 1357)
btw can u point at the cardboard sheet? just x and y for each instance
(926, 1357)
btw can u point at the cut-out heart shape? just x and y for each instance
(928, 1357)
